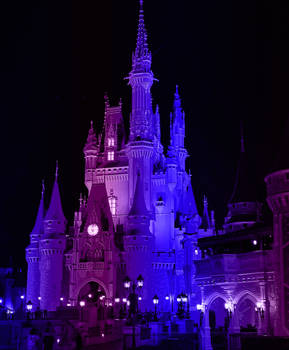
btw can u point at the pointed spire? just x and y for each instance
(38, 226)
(91, 142)
(242, 138)
(138, 207)
(244, 189)
(55, 213)
(206, 223)
(177, 101)
(142, 56)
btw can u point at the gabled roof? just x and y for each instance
(98, 210)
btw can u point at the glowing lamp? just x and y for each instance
(196, 252)
(102, 334)
(110, 304)
(82, 303)
(21, 297)
(128, 303)
(184, 298)
(39, 298)
(167, 297)
(29, 306)
(90, 295)
(1, 301)
(126, 282)
(179, 298)
(200, 307)
(124, 300)
(139, 298)
(255, 242)
(117, 300)
(58, 340)
(140, 281)
(61, 298)
(155, 300)
(259, 305)
(68, 304)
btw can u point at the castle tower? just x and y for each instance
(138, 242)
(52, 246)
(177, 131)
(32, 257)
(243, 209)
(140, 147)
(278, 200)
(90, 154)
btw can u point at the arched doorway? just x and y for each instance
(246, 314)
(93, 301)
(218, 322)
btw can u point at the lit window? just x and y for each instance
(110, 155)
(112, 205)
(110, 142)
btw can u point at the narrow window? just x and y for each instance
(110, 142)
(112, 205)
(110, 155)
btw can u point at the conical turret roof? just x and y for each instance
(138, 207)
(38, 226)
(55, 211)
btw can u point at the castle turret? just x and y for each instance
(278, 200)
(32, 256)
(90, 153)
(52, 246)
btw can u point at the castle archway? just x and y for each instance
(246, 313)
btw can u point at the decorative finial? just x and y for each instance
(56, 170)
(42, 188)
(91, 124)
(242, 137)
(120, 102)
(141, 5)
(205, 201)
(177, 90)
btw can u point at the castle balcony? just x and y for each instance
(238, 267)
(277, 182)
(90, 266)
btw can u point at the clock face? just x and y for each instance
(92, 229)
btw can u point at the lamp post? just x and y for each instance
(259, 308)
(132, 302)
(82, 304)
(181, 299)
(155, 301)
(29, 308)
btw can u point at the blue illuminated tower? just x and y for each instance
(52, 246)
(32, 257)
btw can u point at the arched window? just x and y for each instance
(110, 142)
(110, 155)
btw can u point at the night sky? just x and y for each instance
(58, 58)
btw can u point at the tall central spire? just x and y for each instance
(141, 60)
(141, 79)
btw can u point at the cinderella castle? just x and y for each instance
(140, 223)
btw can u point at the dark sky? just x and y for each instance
(58, 58)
